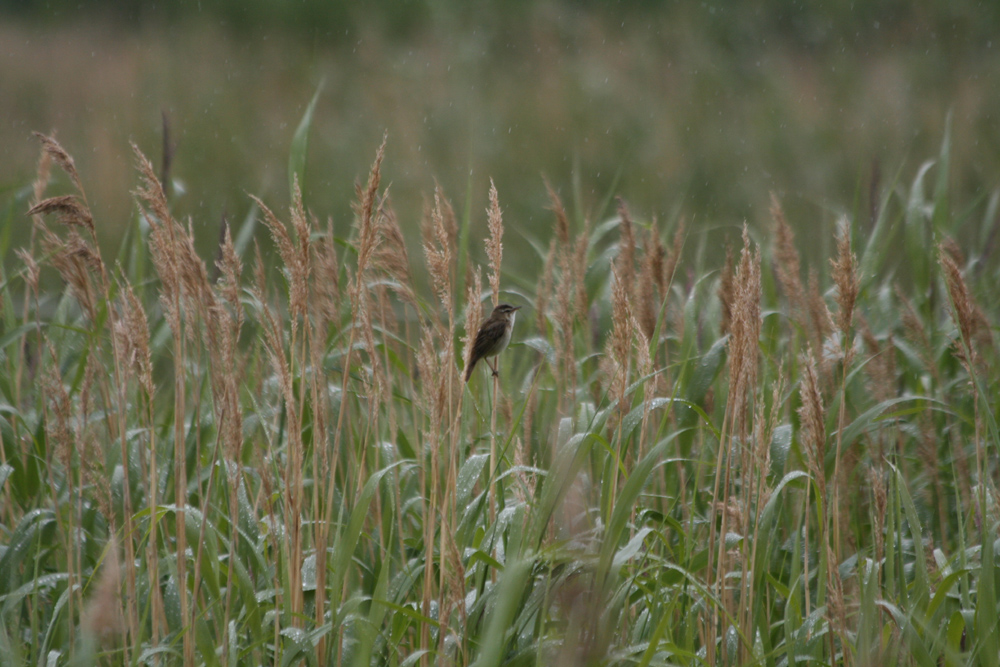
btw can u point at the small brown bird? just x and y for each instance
(493, 337)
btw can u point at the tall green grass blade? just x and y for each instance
(300, 141)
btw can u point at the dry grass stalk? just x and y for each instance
(435, 399)
(813, 423)
(625, 262)
(71, 211)
(847, 280)
(745, 330)
(391, 257)
(963, 306)
(494, 244)
(620, 342)
(964, 313)
(58, 411)
(132, 331)
(438, 249)
(57, 153)
(163, 244)
(327, 271)
(230, 269)
(757, 491)
(644, 365)
(368, 211)
(813, 417)
(787, 261)
(473, 313)
(743, 370)
(565, 297)
(365, 209)
(292, 256)
(75, 260)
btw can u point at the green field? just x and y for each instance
(236, 463)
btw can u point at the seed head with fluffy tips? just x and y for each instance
(493, 337)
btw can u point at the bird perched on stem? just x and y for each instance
(493, 337)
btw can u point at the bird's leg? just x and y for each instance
(493, 367)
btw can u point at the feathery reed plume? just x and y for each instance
(962, 304)
(565, 354)
(745, 329)
(368, 210)
(294, 256)
(813, 418)
(473, 314)
(102, 617)
(165, 254)
(62, 158)
(625, 262)
(644, 364)
(847, 280)
(952, 249)
(964, 313)
(743, 368)
(494, 244)
(72, 212)
(787, 260)
(438, 248)
(391, 257)
(620, 341)
(230, 269)
(74, 259)
(132, 331)
(813, 424)
(327, 270)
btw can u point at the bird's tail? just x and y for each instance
(468, 371)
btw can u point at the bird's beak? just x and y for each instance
(518, 307)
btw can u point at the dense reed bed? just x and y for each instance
(243, 462)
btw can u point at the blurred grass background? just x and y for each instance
(694, 109)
